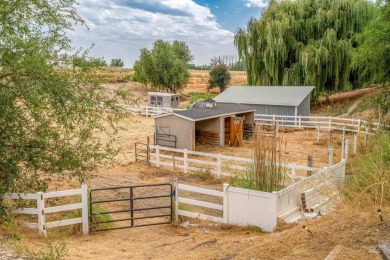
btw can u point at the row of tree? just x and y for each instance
(236, 66)
(96, 62)
(334, 45)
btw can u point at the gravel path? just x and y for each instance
(7, 254)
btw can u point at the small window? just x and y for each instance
(152, 101)
(177, 98)
(172, 99)
(159, 101)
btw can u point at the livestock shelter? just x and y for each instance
(216, 125)
(166, 100)
(269, 100)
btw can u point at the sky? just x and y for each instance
(120, 28)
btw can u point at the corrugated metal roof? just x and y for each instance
(267, 95)
(198, 114)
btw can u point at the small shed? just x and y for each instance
(216, 125)
(269, 100)
(167, 100)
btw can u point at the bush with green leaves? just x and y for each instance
(219, 77)
(117, 63)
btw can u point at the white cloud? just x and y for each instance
(120, 28)
(256, 3)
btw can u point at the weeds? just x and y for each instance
(51, 251)
(370, 173)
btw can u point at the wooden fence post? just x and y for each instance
(148, 151)
(309, 164)
(318, 133)
(346, 149)
(173, 162)
(41, 214)
(354, 143)
(342, 143)
(185, 160)
(175, 183)
(359, 126)
(157, 155)
(365, 136)
(147, 112)
(299, 121)
(293, 170)
(225, 203)
(277, 130)
(219, 165)
(330, 160)
(84, 209)
(330, 124)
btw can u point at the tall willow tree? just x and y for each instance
(303, 42)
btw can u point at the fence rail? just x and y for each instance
(41, 210)
(319, 122)
(221, 194)
(218, 164)
(147, 110)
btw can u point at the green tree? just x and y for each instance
(117, 63)
(48, 115)
(372, 58)
(88, 62)
(303, 43)
(219, 77)
(165, 67)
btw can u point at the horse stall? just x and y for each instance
(216, 125)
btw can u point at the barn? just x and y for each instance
(269, 100)
(214, 125)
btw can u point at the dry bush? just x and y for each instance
(268, 170)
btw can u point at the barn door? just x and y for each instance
(236, 124)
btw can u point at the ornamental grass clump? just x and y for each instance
(267, 173)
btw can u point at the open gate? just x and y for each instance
(130, 206)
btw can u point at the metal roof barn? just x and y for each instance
(217, 125)
(269, 100)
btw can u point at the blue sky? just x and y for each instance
(120, 28)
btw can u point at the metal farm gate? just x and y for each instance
(165, 140)
(130, 206)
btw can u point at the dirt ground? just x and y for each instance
(356, 235)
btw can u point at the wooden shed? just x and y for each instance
(167, 100)
(217, 125)
(269, 100)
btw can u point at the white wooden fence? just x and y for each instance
(221, 194)
(264, 209)
(147, 110)
(41, 210)
(319, 122)
(218, 164)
